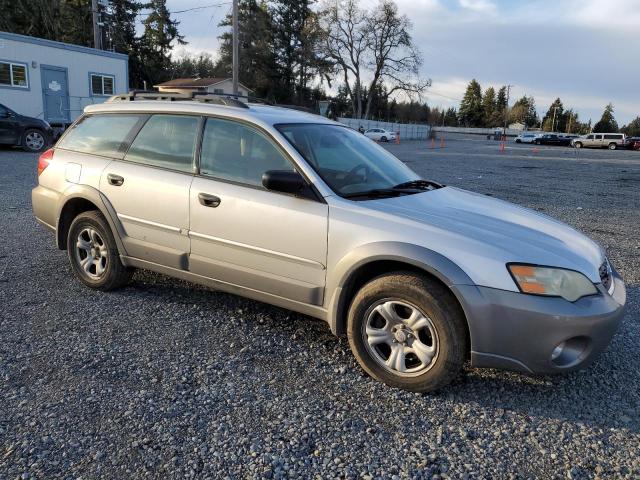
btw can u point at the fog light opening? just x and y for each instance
(570, 353)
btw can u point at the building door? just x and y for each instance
(55, 94)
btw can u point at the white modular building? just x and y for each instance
(54, 80)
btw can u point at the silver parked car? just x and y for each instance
(611, 141)
(295, 210)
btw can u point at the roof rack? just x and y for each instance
(204, 97)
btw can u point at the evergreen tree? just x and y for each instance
(121, 30)
(554, 120)
(607, 123)
(633, 128)
(297, 39)
(451, 117)
(470, 112)
(488, 106)
(160, 33)
(258, 69)
(501, 108)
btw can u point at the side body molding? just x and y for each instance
(340, 274)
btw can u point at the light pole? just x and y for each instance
(236, 50)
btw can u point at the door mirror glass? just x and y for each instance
(284, 181)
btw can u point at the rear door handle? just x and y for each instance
(209, 200)
(115, 180)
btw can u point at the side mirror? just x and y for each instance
(284, 181)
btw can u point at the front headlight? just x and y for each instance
(554, 282)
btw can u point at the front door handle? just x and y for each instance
(209, 200)
(115, 180)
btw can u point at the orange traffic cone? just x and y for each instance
(441, 142)
(397, 138)
(502, 146)
(535, 150)
(433, 143)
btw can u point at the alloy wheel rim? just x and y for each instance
(400, 337)
(34, 140)
(91, 253)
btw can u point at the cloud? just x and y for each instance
(478, 5)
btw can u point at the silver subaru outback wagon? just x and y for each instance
(294, 210)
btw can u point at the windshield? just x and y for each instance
(346, 160)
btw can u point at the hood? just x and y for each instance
(481, 233)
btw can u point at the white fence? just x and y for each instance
(408, 131)
(417, 131)
(476, 131)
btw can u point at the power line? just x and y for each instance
(193, 9)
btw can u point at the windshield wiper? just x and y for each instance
(420, 184)
(378, 193)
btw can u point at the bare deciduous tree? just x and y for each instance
(371, 48)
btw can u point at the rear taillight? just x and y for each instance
(43, 161)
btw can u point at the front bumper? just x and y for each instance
(515, 331)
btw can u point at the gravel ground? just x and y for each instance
(164, 379)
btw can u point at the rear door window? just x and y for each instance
(167, 141)
(104, 135)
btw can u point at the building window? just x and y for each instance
(13, 75)
(102, 84)
(218, 90)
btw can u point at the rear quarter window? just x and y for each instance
(101, 134)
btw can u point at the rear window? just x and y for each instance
(613, 136)
(100, 134)
(167, 141)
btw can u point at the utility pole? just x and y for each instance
(97, 36)
(553, 122)
(506, 110)
(236, 49)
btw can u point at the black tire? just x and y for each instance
(432, 300)
(577, 144)
(115, 274)
(613, 146)
(518, 141)
(537, 142)
(383, 139)
(34, 140)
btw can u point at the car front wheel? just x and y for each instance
(577, 145)
(34, 140)
(93, 253)
(408, 332)
(383, 139)
(613, 146)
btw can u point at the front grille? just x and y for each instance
(605, 275)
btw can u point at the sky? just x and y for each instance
(583, 51)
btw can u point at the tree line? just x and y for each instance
(488, 109)
(295, 52)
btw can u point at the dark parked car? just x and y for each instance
(553, 139)
(632, 143)
(30, 133)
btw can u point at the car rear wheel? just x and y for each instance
(383, 139)
(34, 140)
(407, 331)
(613, 146)
(93, 253)
(518, 141)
